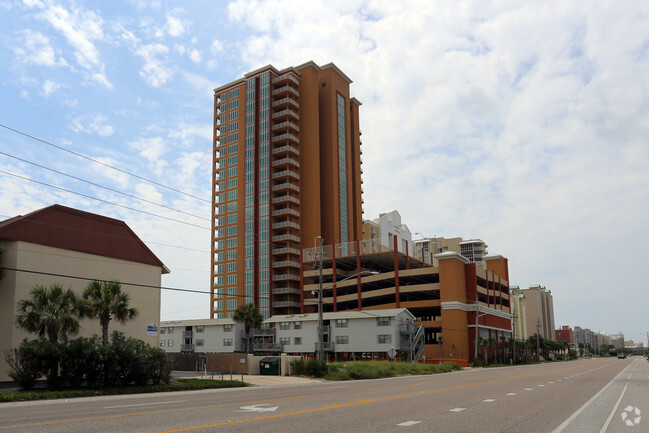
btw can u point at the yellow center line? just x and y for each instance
(283, 399)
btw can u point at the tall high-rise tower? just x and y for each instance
(287, 168)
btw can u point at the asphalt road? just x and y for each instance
(598, 395)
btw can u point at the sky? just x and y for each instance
(522, 123)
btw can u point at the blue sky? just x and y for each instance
(519, 123)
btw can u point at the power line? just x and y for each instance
(102, 200)
(102, 163)
(76, 277)
(107, 234)
(102, 186)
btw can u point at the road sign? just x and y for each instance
(242, 361)
(392, 352)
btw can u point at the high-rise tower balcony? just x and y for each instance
(286, 79)
(287, 125)
(286, 211)
(286, 173)
(285, 103)
(286, 186)
(286, 90)
(286, 224)
(279, 238)
(285, 114)
(286, 264)
(286, 137)
(286, 250)
(279, 151)
(286, 290)
(286, 199)
(286, 277)
(286, 161)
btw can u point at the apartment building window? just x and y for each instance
(231, 254)
(162, 343)
(341, 323)
(231, 230)
(297, 341)
(227, 328)
(233, 183)
(231, 304)
(342, 339)
(163, 330)
(285, 341)
(231, 291)
(297, 325)
(382, 321)
(231, 280)
(200, 342)
(200, 328)
(384, 339)
(170, 330)
(227, 342)
(284, 326)
(170, 343)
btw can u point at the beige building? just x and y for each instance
(71, 247)
(473, 249)
(379, 234)
(539, 312)
(519, 320)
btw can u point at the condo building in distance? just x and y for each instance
(286, 170)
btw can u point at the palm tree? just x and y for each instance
(49, 311)
(251, 317)
(105, 300)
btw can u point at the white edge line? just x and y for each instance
(581, 409)
(143, 404)
(617, 404)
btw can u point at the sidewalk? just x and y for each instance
(253, 379)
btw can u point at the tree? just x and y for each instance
(251, 317)
(49, 311)
(105, 300)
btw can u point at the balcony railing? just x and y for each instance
(286, 124)
(286, 77)
(187, 334)
(328, 346)
(186, 347)
(286, 238)
(285, 101)
(284, 304)
(286, 224)
(285, 161)
(286, 185)
(286, 136)
(287, 148)
(286, 277)
(286, 264)
(262, 332)
(285, 113)
(286, 198)
(286, 173)
(285, 291)
(286, 211)
(287, 250)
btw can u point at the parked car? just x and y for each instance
(621, 356)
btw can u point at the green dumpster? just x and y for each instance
(270, 366)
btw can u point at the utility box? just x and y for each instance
(270, 366)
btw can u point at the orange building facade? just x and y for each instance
(444, 292)
(286, 169)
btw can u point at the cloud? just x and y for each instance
(81, 28)
(216, 47)
(154, 71)
(37, 50)
(175, 27)
(195, 56)
(50, 87)
(92, 125)
(152, 150)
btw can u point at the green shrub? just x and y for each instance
(24, 365)
(377, 369)
(309, 367)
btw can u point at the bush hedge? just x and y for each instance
(85, 361)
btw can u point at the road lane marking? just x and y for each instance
(617, 404)
(489, 400)
(550, 382)
(329, 387)
(471, 384)
(258, 408)
(572, 417)
(529, 389)
(143, 404)
(511, 393)
(540, 385)
(458, 409)
(408, 423)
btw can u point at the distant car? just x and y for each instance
(621, 356)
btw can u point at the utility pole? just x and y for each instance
(538, 339)
(320, 322)
(514, 332)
